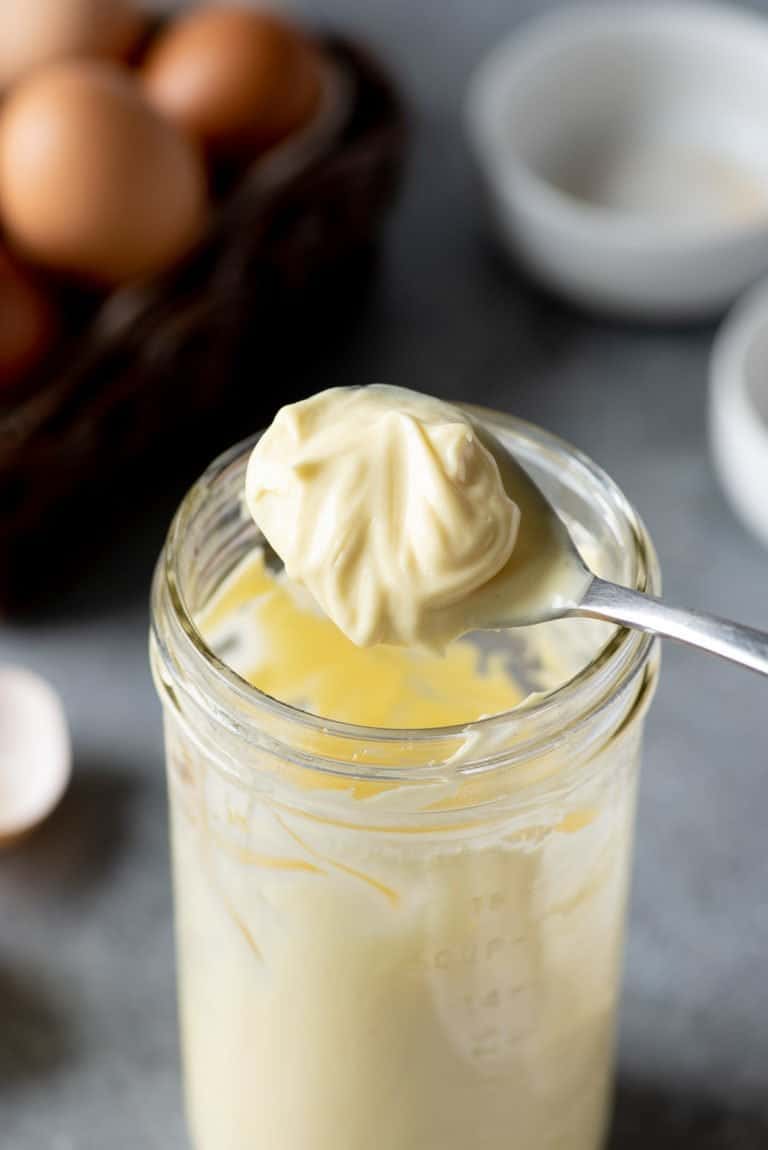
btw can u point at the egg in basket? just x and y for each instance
(172, 192)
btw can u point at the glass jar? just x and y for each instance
(391, 939)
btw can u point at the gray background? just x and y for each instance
(88, 1055)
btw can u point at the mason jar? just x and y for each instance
(403, 939)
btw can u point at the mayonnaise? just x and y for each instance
(387, 506)
(370, 960)
(366, 965)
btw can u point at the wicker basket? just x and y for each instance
(172, 364)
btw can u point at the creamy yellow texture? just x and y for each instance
(297, 655)
(387, 506)
(375, 980)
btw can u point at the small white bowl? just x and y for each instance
(625, 149)
(738, 422)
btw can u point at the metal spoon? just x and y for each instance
(546, 578)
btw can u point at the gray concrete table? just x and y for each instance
(88, 1053)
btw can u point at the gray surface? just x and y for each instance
(88, 1055)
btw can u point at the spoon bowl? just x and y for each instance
(545, 576)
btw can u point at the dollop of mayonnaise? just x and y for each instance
(386, 506)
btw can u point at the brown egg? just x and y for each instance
(235, 77)
(93, 180)
(35, 32)
(27, 324)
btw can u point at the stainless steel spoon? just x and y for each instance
(732, 641)
(546, 578)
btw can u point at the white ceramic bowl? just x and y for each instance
(739, 409)
(625, 149)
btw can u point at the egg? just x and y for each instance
(35, 752)
(27, 325)
(35, 32)
(93, 180)
(234, 77)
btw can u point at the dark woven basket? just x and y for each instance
(170, 365)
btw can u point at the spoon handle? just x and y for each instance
(732, 641)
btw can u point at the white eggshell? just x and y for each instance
(35, 751)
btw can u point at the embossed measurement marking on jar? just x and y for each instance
(482, 978)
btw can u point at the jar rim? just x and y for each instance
(615, 666)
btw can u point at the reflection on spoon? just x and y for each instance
(544, 577)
